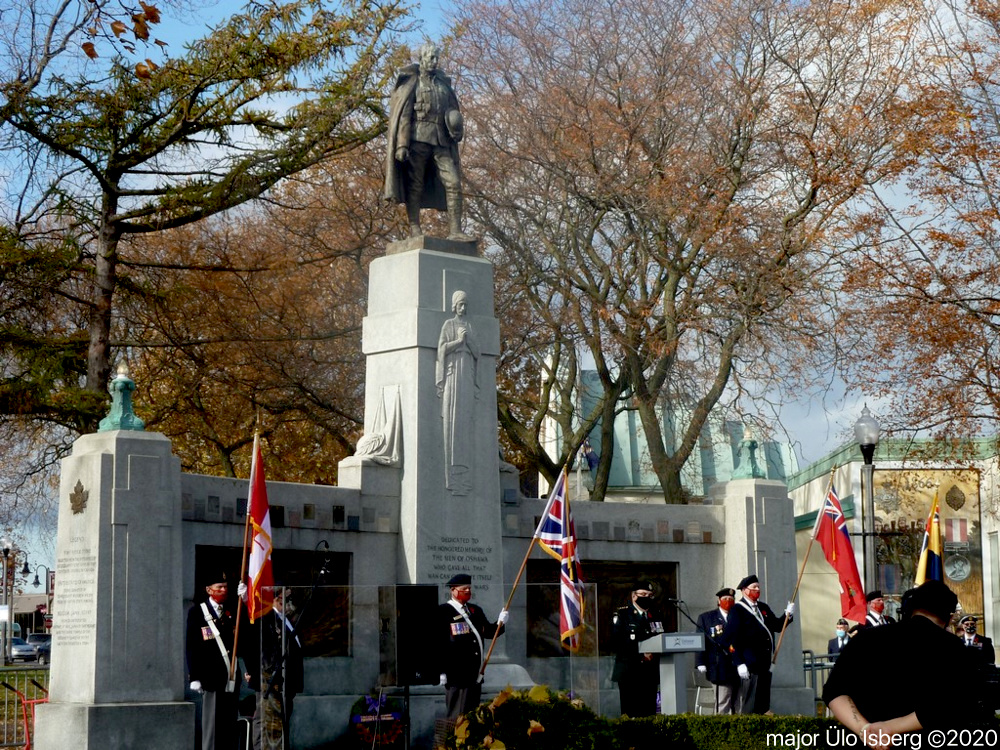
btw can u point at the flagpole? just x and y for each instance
(520, 572)
(805, 559)
(246, 547)
(496, 633)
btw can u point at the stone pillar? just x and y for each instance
(450, 505)
(117, 675)
(760, 539)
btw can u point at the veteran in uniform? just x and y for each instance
(637, 674)
(464, 634)
(749, 637)
(876, 607)
(715, 661)
(835, 645)
(982, 645)
(275, 670)
(209, 651)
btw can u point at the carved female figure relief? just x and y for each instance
(457, 381)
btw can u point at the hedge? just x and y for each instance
(540, 719)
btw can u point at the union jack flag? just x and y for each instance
(557, 536)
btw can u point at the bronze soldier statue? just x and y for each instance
(425, 128)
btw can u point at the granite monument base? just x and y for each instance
(115, 726)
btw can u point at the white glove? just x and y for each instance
(241, 591)
(702, 668)
(502, 617)
(742, 671)
(790, 609)
(195, 686)
(444, 679)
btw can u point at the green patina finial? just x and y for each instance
(746, 459)
(121, 416)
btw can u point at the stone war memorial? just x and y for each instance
(425, 497)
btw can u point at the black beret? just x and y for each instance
(460, 579)
(872, 595)
(215, 576)
(725, 592)
(750, 579)
(643, 586)
(932, 596)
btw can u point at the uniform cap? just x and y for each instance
(215, 576)
(461, 579)
(967, 618)
(725, 592)
(750, 579)
(643, 586)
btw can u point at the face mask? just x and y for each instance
(463, 597)
(643, 601)
(752, 594)
(841, 633)
(878, 606)
(725, 604)
(970, 627)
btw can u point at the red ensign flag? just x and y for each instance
(831, 531)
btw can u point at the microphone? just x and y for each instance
(326, 558)
(674, 601)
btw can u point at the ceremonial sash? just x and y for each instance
(755, 611)
(460, 608)
(210, 620)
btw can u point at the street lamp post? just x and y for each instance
(36, 583)
(866, 430)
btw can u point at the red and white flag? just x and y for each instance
(956, 530)
(260, 577)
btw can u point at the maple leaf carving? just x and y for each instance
(78, 498)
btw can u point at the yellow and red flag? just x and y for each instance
(929, 563)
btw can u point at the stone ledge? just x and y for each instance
(438, 244)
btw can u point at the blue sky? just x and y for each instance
(179, 26)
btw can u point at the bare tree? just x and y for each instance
(925, 307)
(674, 179)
